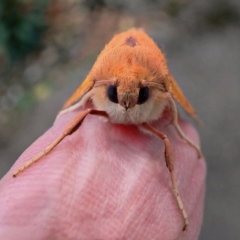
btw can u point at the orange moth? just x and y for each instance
(129, 84)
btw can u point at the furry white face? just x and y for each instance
(129, 112)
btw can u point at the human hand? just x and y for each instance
(103, 182)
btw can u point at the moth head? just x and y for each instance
(129, 102)
(127, 99)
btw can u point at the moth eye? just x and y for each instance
(112, 93)
(143, 95)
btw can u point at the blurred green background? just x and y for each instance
(48, 46)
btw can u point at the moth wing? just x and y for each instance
(84, 88)
(182, 100)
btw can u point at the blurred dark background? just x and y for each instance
(48, 46)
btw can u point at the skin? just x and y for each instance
(104, 181)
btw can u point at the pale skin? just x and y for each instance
(106, 190)
(126, 112)
(132, 89)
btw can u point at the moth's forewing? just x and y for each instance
(179, 96)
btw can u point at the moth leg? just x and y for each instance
(179, 130)
(72, 127)
(170, 166)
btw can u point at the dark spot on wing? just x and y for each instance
(131, 41)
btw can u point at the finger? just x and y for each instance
(111, 179)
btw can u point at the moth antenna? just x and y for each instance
(178, 128)
(178, 95)
(77, 105)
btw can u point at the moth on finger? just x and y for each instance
(129, 84)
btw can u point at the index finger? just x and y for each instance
(102, 164)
